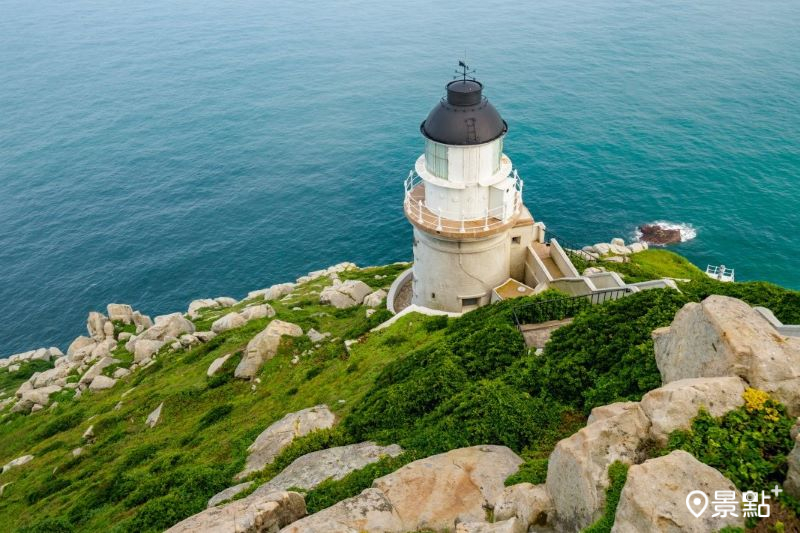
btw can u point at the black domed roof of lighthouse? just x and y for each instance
(464, 117)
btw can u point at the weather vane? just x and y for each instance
(464, 72)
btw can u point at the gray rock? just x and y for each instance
(154, 417)
(121, 373)
(97, 369)
(80, 343)
(375, 299)
(577, 472)
(254, 312)
(89, 433)
(228, 493)
(723, 337)
(19, 461)
(204, 336)
(197, 305)
(310, 470)
(654, 496)
(280, 434)
(214, 367)
(432, 493)
(124, 336)
(95, 325)
(226, 301)
(102, 383)
(120, 312)
(273, 293)
(792, 483)
(264, 346)
(265, 513)
(512, 525)
(315, 336)
(530, 504)
(229, 321)
(674, 405)
(145, 349)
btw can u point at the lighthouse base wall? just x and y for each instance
(458, 276)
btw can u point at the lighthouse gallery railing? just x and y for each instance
(453, 221)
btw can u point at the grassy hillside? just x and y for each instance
(428, 383)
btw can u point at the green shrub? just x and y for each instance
(49, 486)
(436, 323)
(783, 302)
(61, 423)
(214, 415)
(314, 441)
(314, 372)
(139, 455)
(617, 475)
(332, 491)
(748, 445)
(606, 355)
(533, 471)
(48, 525)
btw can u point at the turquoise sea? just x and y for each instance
(153, 152)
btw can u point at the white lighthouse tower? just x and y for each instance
(471, 229)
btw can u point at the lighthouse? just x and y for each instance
(464, 200)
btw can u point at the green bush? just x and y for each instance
(48, 525)
(214, 415)
(436, 323)
(605, 355)
(533, 471)
(748, 445)
(332, 491)
(783, 302)
(617, 475)
(62, 423)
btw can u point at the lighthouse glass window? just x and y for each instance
(436, 159)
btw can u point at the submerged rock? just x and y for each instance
(655, 234)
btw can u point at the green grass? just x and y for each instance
(617, 475)
(655, 264)
(133, 478)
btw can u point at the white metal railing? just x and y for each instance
(720, 272)
(456, 222)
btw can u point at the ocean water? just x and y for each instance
(156, 152)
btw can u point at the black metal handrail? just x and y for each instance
(561, 308)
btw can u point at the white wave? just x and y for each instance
(688, 232)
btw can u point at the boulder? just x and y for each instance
(141, 321)
(102, 383)
(617, 241)
(674, 405)
(80, 343)
(204, 336)
(120, 313)
(315, 336)
(19, 461)
(229, 321)
(154, 417)
(339, 300)
(461, 484)
(226, 301)
(636, 247)
(95, 325)
(229, 493)
(264, 346)
(97, 369)
(188, 340)
(265, 513)
(370, 511)
(530, 504)
(375, 299)
(512, 525)
(145, 349)
(674, 476)
(40, 396)
(89, 433)
(602, 248)
(48, 377)
(310, 470)
(273, 293)
(204, 303)
(214, 367)
(172, 325)
(577, 472)
(280, 434)
(792, 483)
(723, 336)
(121, 373)
(254, 312)
(607, 411)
